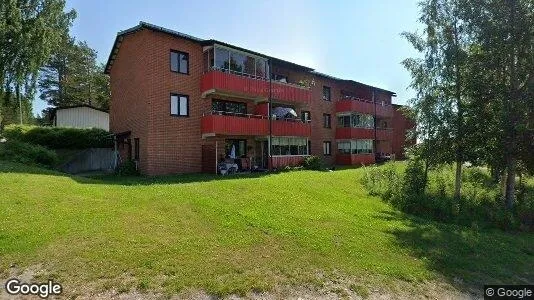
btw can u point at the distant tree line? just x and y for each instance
(474, 80)
(38, 54)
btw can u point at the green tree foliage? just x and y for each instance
(72, 76)
(29, 31)
(475, 86)
(503, 82)
(439, 79)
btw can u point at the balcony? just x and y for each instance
(355, 159)
(217, 123)
(227, 84)
(346, 133)
(365, 107)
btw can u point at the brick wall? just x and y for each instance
(141, 84)
(129, 92)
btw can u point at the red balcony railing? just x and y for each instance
(354, 133)
(365, 107)
(218, 123)
(219, 82)
(355, 159)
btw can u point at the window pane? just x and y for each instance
(326, 93)
(174, 61)
(260, 68)
(237, 62)
(242, 148)
(346, 121)
(184, 62)
(174, 105)
(221, 59)
(206, 61)
(250, 65)
(183, 106)
(293, 149)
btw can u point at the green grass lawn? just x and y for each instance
(236, 234)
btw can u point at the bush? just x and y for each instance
(128, 168)
(480, 204)
(312, 162)
(28, 154)
(60, 137)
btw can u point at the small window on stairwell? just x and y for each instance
(136, 148)
(327, 93)
(327, 121)
(327, 148)
(305, 116)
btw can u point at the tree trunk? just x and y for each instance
(459, 123)
(458, 181)
(509, 196)
(510, 129)
(426, 173)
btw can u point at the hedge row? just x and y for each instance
(27, 154)
(59, 137)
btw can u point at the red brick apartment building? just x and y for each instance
(180, 104)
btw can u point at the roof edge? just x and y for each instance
(143, 25)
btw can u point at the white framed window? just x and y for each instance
(179, 62)
(179, 105)
(288, 146)
(327, 148)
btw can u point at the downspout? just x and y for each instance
(270, 117)
(374, 123)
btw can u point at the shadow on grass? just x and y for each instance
(465, 257)
(9, 167)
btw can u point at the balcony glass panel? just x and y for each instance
(356, 121)
(222, 57)
(355, 147)
(237, 62)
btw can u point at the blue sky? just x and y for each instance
(357, 40)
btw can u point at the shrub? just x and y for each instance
(312, 162)
(128, 168)
(28, 154)
(60, 137)
(480, 204)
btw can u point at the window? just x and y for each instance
(222, 57)
(228, 107)
(136, 151)
(355, 120)
(129, 142)
(179, 62)
(343, 147)
(305, 116)
(261, 68)
(237, 62)
(326, 93)
(343, 121)
(239, 146)
(286, 146)
(355, 147)
(179, 105)
(327, 148)
(327, 121)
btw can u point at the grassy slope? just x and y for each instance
(235, 234)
